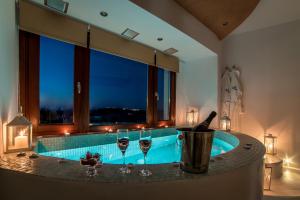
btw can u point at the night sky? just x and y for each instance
(114, 81)
(117, 82)
(56, 74)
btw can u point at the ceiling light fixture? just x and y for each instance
(170, 51)
(57, 5)
(103, 14)
(225, 23)
(130, 34)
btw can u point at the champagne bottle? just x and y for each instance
(203, 126)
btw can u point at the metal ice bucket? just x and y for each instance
(196, 149)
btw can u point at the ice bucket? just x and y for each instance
(196, 149)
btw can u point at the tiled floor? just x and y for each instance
(287, 187)
(281, 198)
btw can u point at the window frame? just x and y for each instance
(29, 50)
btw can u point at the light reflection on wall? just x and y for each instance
(283, 129)
(197, 86)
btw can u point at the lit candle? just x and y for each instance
(21, 141)
(223, 125)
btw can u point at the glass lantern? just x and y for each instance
(225, 123)
(18, 134)
(270, 144)
(192, 118)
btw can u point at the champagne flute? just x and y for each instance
(123, 142)
(145, 144)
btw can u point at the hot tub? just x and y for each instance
(166, 147)
(232, 175)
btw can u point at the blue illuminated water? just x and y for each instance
(165, 149)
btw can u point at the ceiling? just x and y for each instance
(124, 14)
(220, 16)
(270, 13)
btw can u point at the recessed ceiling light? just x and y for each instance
(170, 51)
(159, 39)
(130, 34)
(103, 14)
(225, 23)
(58, 5)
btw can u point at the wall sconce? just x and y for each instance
(225, 123)
(18, 134)
(192, 117)
(270, 144)
(267, 178)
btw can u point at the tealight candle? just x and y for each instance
(21, 141)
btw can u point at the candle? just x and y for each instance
(21, 142)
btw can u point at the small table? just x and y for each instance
(275, 163)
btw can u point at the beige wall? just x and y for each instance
(197, 86)
(8, 63)
(269, 60)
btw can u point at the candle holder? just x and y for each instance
(192, 117)
(270, 142)
(225, 123)
(18, 135)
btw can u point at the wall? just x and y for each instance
(8, 63)
(197, 86)
(269, 60)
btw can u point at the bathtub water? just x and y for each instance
(165, 149)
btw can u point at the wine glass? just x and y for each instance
(123, 142)
(145, 144)
(90, 160)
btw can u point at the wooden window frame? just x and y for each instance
(29, 50)
(172, 106)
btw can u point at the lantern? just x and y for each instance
(267, 178)
(192, 118)
(18, 134)
(270, 144)
(225, 123)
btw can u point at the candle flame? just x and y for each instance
(22, 132)
(66, 133)
(287, 161)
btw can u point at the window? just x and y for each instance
(56, 81)
(64, 87)
(118, 90)
(163, 90)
